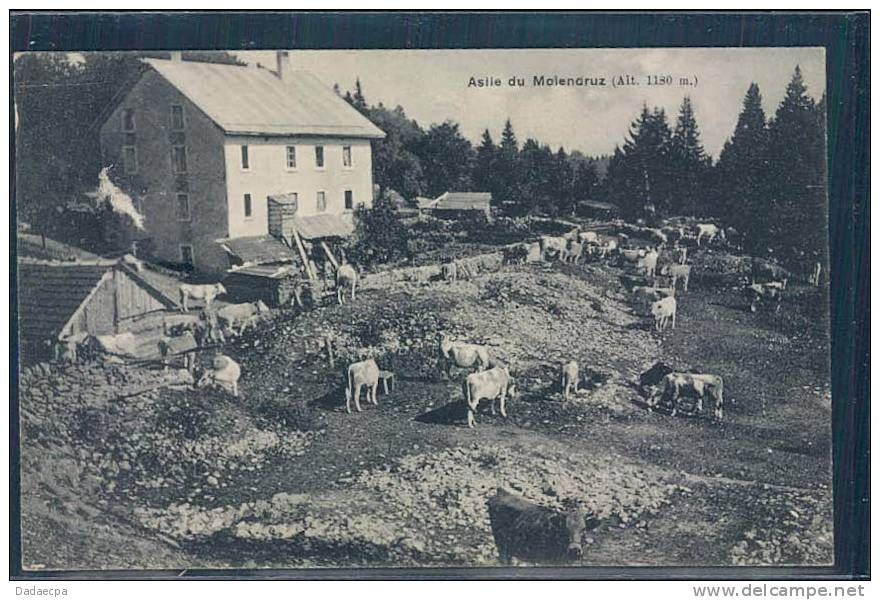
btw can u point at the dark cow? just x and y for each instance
(534, 533)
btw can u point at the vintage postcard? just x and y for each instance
(423, 308)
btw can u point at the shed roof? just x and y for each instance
(462, 201)
(49, 293)
(258, 249)
(264, 271)
(323, 226)
(255, 101)
(37, 246)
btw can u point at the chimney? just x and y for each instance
(176, 55)
(282, 64)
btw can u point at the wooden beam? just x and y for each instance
(303, 255)
(330, 255)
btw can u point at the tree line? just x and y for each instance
(769, 181)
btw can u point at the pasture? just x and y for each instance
(405, 483)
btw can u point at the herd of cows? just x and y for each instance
(656, 272)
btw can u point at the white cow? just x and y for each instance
(345, 275)
(224, 374)
(570, 377)
(241, 314)
(709, 231)
(663, 312)
(361, 374)
(676, 386)
(677, 273)
(200, 292)
(492, 384)
(462, 355)
(553, 245)
(649, 263)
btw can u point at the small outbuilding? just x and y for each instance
(452, 205)
(60, 301)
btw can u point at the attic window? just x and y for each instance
(176, 117)
(128, 120)
(319, 157)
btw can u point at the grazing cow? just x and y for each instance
(765, 270)
(709, 231)
(224, 374)
(645, 295)
(761, 293)
(535, 533)
(207, 293)
(492, 384)
(677, 273)
(361, 374)
(181, 345)
(664, 312)
(241, 315)
(570, 377)
(574, 252)
(554, 246)
(120, 344)
(462, 355)
(695, 386)
(589, 237)
(449, 271)
(649, 263)
(346, 275)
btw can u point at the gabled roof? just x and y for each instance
(50, 293)
(461, 201)
(259, 250)
(255, 101)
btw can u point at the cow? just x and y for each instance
(206, 292)
(677, 273)
(554, 246)
(649, 263)
(589, 237)
(645, 295)
(361, 374)
(680, 255)
(346, 274)
(449, 271)
(535, 533)
(492, 384)
(184, 345)
(815, 276)
(570, 376)
(760, 293)
(241, 315)
(765, 270)
(607, 247)
(462, 355)
(709, 231)
(574, 252)
(224, 374)
(696, 386)
(663, 312)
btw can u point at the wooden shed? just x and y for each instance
(59, 301)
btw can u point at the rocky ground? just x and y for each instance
(284, 477)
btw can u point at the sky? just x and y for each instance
(432, 86)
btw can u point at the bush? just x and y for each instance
(380, 236)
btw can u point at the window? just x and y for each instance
(183, 207)
(245, 161)
(129, 159)
(128, 119)
(179, 159)
(322, 201)
(291, 157)
(186, 254)
(349, 200)
(248, 206)
(176, 117)
(319, 157)
(346, 156)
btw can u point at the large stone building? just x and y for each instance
(206, 149)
